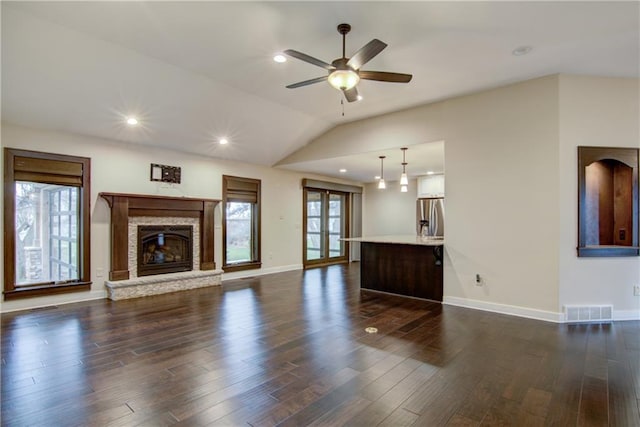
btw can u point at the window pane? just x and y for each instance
(46, 248)
(335, 245)
(314, 246)
(313, 254)
(335, 225)
(55, 225)
(64, 201)
(239, 227)
(335, 207)
(64, 225)
(313, 225)
(55, 201)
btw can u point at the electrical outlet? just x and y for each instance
(99, 272)
(636, 290)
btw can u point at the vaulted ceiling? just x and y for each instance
(197, 71)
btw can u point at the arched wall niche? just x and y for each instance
(608, 202)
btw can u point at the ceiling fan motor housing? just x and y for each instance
(344, 29)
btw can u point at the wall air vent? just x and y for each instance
(588, 313)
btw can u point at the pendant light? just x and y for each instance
(381, 183)
(404, 181)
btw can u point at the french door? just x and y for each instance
(326, 219)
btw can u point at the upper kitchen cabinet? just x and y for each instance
(431, 186)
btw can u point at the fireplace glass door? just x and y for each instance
(164, 249)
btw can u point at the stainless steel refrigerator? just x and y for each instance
(430, 217)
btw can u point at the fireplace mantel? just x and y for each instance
(125, 205)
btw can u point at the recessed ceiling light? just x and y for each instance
(132, 121)
(223, 141)
(521, 50)
(343, 170)
(280, 58)
(430, 172)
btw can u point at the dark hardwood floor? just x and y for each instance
(291, 349)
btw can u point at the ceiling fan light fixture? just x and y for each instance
(343, 79)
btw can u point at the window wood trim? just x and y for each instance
(242, 189)
(58, 175)
(331, 186)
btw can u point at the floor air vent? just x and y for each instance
(588, 313)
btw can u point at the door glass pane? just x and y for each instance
(46, 223)
(336, 224)
(315, 226)
(239, 232)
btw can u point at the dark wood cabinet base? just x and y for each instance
(409, 270)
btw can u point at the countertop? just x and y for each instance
(404, 239)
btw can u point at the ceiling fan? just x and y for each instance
(345, 73)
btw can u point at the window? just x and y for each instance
(47, 207)
(240, 223)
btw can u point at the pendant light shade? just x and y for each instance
(381, 184)
(404, 181)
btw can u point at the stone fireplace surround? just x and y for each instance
(130, 210)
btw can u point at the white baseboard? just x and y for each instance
(626, 314)
(51, 301)
(513, 310)
(260, 272)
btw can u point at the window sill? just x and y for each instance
(608, 251)
(42, 290)
(242, 266)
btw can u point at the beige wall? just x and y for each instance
(124, 168)
(595, 112)
(502, 198)
(511, 190)
(389, 211)
(502, 210)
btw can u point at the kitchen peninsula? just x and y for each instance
(404, 265)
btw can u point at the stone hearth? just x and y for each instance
(162, 284)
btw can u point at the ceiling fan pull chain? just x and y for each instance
(342, 103)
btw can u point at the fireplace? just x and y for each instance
(164, 249)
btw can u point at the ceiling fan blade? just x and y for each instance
(310, 59)
(307, 82)
(351, 95)
(382, 76)
(366, 54)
